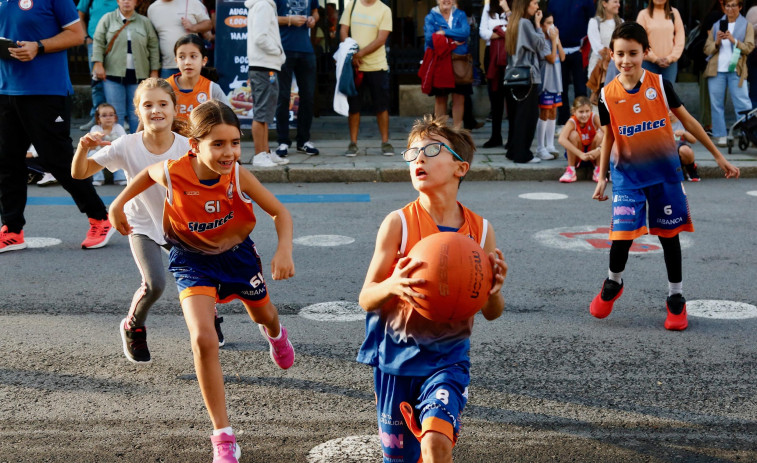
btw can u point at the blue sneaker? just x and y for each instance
(308, 148)
(282, 150)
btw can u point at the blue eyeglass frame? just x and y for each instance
(423, 149)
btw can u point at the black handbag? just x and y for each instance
(518, 78)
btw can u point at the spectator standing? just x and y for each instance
(35, 108)
(296, 18)
(90, 12)
(492, 29)
(173, 19)
(370, 29)
(667, 38)
(728, 44)
(264, 50)
(572, 19)
(600, 30)
(125, 53)
(751, 16)
(524, 42)
(447, 20)
(550, 90)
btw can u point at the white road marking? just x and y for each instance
(752, 193)
(41, 242)
(543, 196)
(721, 310)
(352, 449)
(594, 238)
(335, 311)
(324, 240)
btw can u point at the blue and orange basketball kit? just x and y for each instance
(646, 171)
(421, 367)
(208, 224)
(188, 99)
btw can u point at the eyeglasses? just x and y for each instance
(731, 7)
(431, 150)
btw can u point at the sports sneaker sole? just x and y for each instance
(270, 348)
(676, 322)
(14, 247)
(126, 350)
(600, 308)
(104, 241)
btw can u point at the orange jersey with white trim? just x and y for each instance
(207, 219)
(644, 152)
(587, 132)
(187, 101)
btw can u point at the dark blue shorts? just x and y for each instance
(234, 274)
(377, 83)
(665, 203)
(437, 400)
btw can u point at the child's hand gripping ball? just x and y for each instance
(458, 277)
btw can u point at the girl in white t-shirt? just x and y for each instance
(106, 122)
(156, 106)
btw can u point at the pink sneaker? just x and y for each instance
(595, 176)
(225, 448)
(282, 352)
(98, 235)
(569, 176)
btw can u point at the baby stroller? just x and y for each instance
(745, 128)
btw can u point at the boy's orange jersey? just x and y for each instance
(644, 152)
(207, 219)
(187, 101)
(587, 132)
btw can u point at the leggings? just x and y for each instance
(147, 255)
(671, 247)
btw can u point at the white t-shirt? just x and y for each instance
(726, 50)
(145, 212)
(165, 16)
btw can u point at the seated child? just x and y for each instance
(581, 137)
(685, 153)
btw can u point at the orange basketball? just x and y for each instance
(458, 276)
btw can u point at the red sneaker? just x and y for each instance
(676, 321)
(601, 305)
(98, 235)
(11, 241)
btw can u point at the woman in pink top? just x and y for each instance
(666, 38)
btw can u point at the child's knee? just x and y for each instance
(436, 448)
(262, 315)
(575, 138)
(204, 343)
(686, 154)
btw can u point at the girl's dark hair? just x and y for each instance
(194, 39)
(495, 9)
(630, 30)
(208, 115)
(668, 9)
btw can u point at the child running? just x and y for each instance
(421, 368)
(193, 84)
(581, 137)
(207, 217)
(106, 123)
(153, 142)
(550, 97)
(646, 173)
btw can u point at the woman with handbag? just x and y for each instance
(125, 52)
(445, 19)
(524, 41)
(492, 29)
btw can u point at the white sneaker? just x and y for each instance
(552, 149)
(263, 159)
(721, 141)
(534, 160)
(278, 159)
(542, 153)
(47, 179)
(282, 150)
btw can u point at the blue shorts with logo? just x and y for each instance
(665, 203)
(549, 100)
(234, 274)
(437, 402)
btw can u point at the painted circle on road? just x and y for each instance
(595, 238)
(324, 240)
(752, 193)
(335, 311)
(543, 196)
(352, 449)
(41, 242)
(721, 310)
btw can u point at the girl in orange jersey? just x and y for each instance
(581, 138)
(208, 216)
(194, 84)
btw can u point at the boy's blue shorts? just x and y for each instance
(668, 211)
(437, 400)
(548, 100)
(234, 274)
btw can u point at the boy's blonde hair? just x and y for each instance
(460, 140)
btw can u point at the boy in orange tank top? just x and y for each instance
(646, 173)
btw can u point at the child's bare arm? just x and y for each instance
(694, 128)
(142, 181)
(496, 302)
(377, 288)
(604, 163)
(282, 263)
(564, 140)
(82, 167)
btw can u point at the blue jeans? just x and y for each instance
(302, 65)
(165, 73)
(98, 91)
(739, 97)
(669, 73)
(122, 98)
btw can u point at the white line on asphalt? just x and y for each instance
(335, 311)
(324, 240)
(543, 196)
(352, 449)
(721, 310)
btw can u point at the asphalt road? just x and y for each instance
(549, 382)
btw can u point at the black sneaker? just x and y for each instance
(308, 148)
(691, 172)
(610, 289)
(135, 343)
(221, 340)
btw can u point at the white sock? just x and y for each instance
(541, 126)
(277, 337)
(550, 133)
(675, 288)
(616, 277)
(226, 430)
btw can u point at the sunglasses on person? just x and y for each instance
(431, 150)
